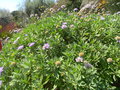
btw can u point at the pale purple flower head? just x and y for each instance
(0, 82)
(87, 65)
(16, 40)
(46, 46)
(64, 26)
(63, 6)
(75, 9)
(118, 41)
(1, 70)
(20, 47)
(102, 18)
(64, 23)
(58, 9)
(118, 12)
(26, 34)
(79, 59)
(31, 44)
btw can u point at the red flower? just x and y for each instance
(0, 45)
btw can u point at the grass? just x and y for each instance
(33, 68)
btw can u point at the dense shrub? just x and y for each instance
(113, 6)
(5, 17)
(45, 55)
(37, 6)
(6, 23)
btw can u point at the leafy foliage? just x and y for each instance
(42, 56)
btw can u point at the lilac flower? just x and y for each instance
(31, 44)
(102, 18)
(16, 40)
(63, 6)
(20, 47)
(79, 59)
(118, 12)
(0, 83)
(64, 26)
(64, 23)
(26, 34)
(75, 9)
(87, 65)
(58, 9)
(118, 41)
(46, 46)
(1, 70)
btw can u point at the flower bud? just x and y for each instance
(58, 63)
(117, 38)
(81, 54)
(13, 63)
(109, 60)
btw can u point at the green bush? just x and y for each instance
(43, 55)
(36, 6)
(113, 6)
(5, 16)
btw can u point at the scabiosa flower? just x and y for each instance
(58, 63)
(63, 6)
(1, 70)
(102, 18)
(58, 9)
(31, 44)
(81, 54)
(51, 9)
(46, 46)
(87, 65)
(0, 83)
(16, 40)
(75, 9)
(64, 26)
(25, 34)
(79, 59)
(64, 23)
(118, 41)
(20, 47)
(117, 38)
(118, 12)
(71, 26)
(109, 60)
